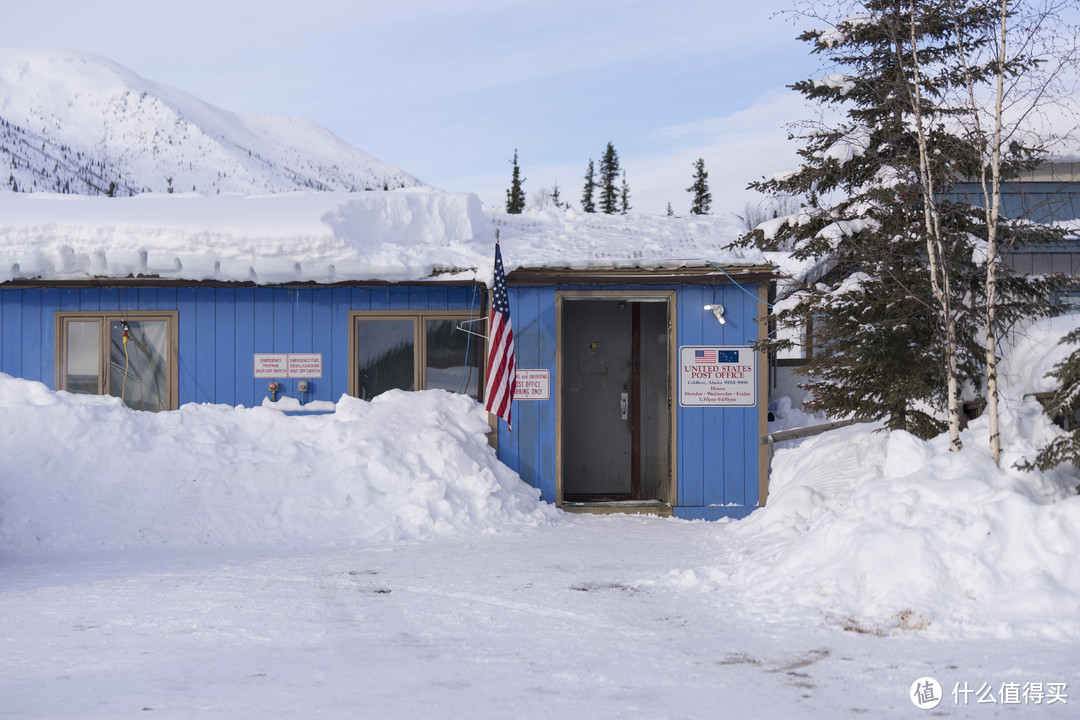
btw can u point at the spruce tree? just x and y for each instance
(700, 190)
(880, 314)
(670, 210)
(609, 173)
(1065, 403)
(587, 203)
(556, 198)
(624, 195)
(515, 196)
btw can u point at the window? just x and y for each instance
(93, 357)
(414, 351)
(801, 335)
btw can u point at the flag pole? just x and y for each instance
(502, 374)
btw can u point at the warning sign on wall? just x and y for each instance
(719, 376)
(271, 365)
(288, 365)
(532, 385)
(305, 365)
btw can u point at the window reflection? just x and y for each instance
(384, 353)
(453, 358)
(138, 369)
(83, 362)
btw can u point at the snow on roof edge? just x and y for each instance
(401, 235)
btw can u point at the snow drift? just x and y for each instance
(83, 472)
(881, 531)
(868, 530)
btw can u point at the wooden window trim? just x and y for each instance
(419, 318)
(104, 318)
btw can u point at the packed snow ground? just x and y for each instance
(379, 561)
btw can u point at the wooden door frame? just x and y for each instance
(655, 296)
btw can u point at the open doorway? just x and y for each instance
(616, 399)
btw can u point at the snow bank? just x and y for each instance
(880, 531)
(399, 235)
(1034, 352)
(82, 472)
(295, 237)
(572, 239)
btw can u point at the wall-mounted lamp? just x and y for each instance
(718, 312)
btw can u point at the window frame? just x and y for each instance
(419, 319)
(105, 318)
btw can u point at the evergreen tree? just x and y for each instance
(609, 173)
(670, 210)
(1065, 403)
(515, 196)
(700, 190)
(587, 203)
(556, 198)
(624, 195)
(884, 323)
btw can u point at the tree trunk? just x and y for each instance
(939, 274)
(992, 206)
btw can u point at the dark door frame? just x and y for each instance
(632, 296)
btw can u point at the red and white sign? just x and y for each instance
(288, 365)
(532, 385)
(271, 365)
(305, 365)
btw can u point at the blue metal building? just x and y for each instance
(638, 387)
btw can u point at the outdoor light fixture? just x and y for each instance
(718, 312)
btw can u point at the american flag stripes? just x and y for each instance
(502, 374)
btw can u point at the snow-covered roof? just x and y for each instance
(396, 236)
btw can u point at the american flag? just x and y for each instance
(705, 356)
(502, 375)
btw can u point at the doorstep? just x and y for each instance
(619, 507)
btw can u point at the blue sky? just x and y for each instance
(448, 90)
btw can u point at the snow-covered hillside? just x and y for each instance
(74, 122)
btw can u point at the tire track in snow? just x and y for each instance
(530, 608)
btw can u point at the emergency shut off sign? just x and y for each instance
(717, 376)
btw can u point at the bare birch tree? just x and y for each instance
(1004, 69)
(940, 280)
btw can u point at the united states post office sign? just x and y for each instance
(717, 376)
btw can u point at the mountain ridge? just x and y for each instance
(74, 122)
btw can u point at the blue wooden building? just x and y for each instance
(1050, 193)
(638, 388)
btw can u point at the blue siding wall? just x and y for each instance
(220, 330)
(530, 447)
(1040, 202)
(717, 448)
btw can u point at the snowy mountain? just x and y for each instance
(74, 122)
